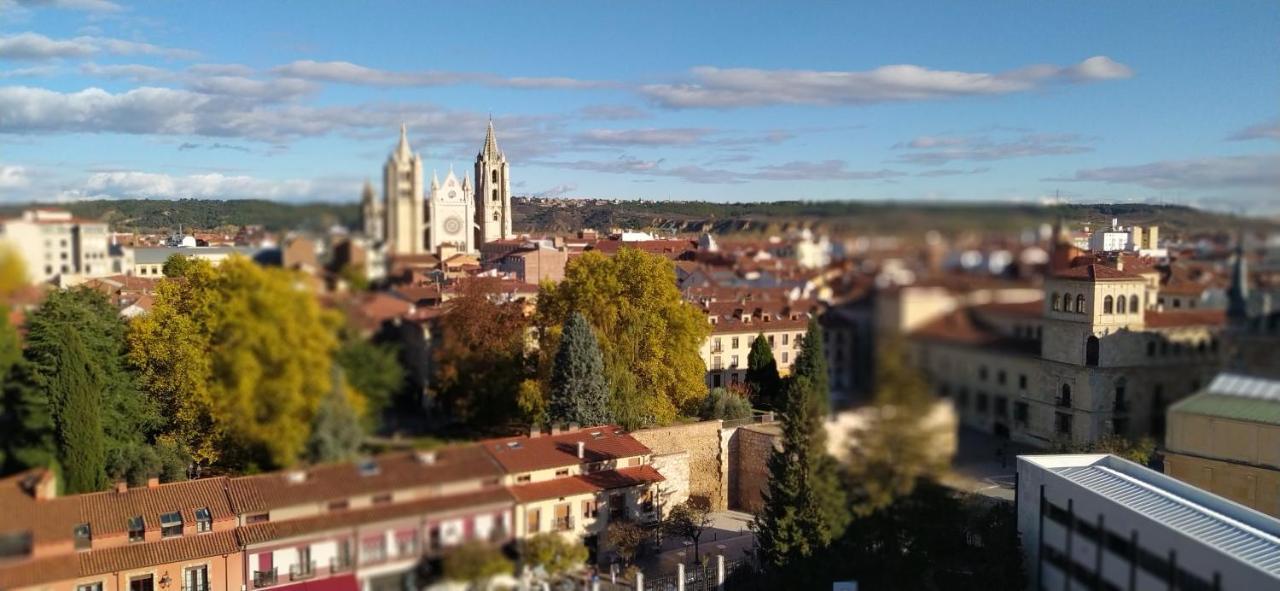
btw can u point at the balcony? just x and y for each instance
(196, 587)
(305, 570)
(337, 565)
(1063, 401)
(562, 524)
(264, 578)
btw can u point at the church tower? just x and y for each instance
(371, 214)
(492, 192)
(403, 201)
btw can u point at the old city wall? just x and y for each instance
(707, 451)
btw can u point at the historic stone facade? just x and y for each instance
(707, 460)
(752, 445)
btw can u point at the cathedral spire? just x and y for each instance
(490, 149)
(1238, 293)
(402, 149)
(435, 180)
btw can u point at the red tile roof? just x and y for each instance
(109, 512)
(525, 454)
(47, 520)
(586, 483)
(153, 553)
(1174, 319)
(960, 328)
(27, 573)
(1096, 272)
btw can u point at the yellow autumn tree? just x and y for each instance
(649, 336)
(238, 356)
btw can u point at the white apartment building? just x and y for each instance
(56, 246)
(1101, 522)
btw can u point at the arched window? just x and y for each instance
(1135, 305)
(1120, 305)
(1108, 305)
(495, 176)
(1065, 399)
(495, 215)
(495, 195)
(1091, 346)
(1055, 301)
(1066, 302)
(1080, 303)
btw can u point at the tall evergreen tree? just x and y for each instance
(25, 417)
(75, 393)
(804, 505)
(812, 361)
(762, 374)
(336, 433)
(579, 391)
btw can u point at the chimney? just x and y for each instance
(582, 449)
(122, 486)
(153, 481)
(572, 427)
(534, 431)
(555, 428)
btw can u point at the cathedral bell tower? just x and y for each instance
(402, 194)
(492, 192)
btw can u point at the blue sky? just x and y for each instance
(728, 101)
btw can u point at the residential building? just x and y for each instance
(1102, 522)
(149, 261)
(55, 245)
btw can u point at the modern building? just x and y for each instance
(53, 244)
(1101, 522)
(149, 261)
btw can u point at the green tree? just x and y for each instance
(355, 277)
(804, 504)
(74, 390)
(479, 359)
(688, 520)
(896, 446)
(626, 538)
(239, 359)
(649, 337)
(475, 563)
(553, 553)
(336, 433)
(579, 392)
(374, 370)
(1139, 451)
(762, 374)
(724, 404)
(176, 265)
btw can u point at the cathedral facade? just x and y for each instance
(413, 220)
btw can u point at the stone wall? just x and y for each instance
(675, 468)
(707, 462)
(752, 445)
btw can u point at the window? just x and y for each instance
(562, 521)
(533, 519)
(1055, 303)
(495, 176)
(495, 195)
(1002, 406)
(524, 478)
(304, 567)
(784, 338)
(1080, 303)
(982, 373)
(382, 499)
(146, 583)
(1022, 381)
(1065, 398)
(94, 586)
(373, 549)
(770, 341)
(1020, 411)
(257, 518)
(171, 524)
(982, 402)
(136, 528)
(339, 505)
(1120, 305)
(1062, 423)
(562, 473)
(734, 343)
(784, 357)
(204, 520)
(84, 538)
(617, 506)
(1091, 352)
(1133, 304)
(1066, 302)
(1001, 377)
(716, 345)
(646, 500)
(733, 360)
(195, 579)
(1108, 305)
(590, 509)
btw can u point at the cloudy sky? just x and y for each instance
(733, 101)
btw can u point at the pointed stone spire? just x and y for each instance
(490, 149)
(1238, 293)
(366, 194)
(466, 180)
(402, 149)
(435, 180)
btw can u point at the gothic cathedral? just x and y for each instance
(454, 212)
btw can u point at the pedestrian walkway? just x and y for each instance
(985, 464)
(729, 534)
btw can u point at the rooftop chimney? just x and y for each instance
(555, 428)
(153, 481)
(582, 449)
(534, 431)
(122, 485)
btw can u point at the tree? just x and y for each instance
(650, 338)
(239, 359)
(626, 538)
(762, 374)
(804, 504)
(579, 392)
(724, 404)
(553, 553)
(176, 265)
(75, 392)
(13, 272)
(336, 433)
(687, 520)
(1139, 451)
(373, 370)
(480, 358)
(355, 277)
(896, 446)
(475, 563)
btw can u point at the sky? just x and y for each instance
(1169, 102)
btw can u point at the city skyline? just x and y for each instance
(711, 102)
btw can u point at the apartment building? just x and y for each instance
(1101, 522)
(54, 244)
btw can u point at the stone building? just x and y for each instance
(53, 245)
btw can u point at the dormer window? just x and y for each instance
(368, 468)
(83, 536)
(137, 527)
(204, 520)
(171, 524)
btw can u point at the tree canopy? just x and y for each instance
(238, 357)
(763, 381)
(579, 392)
(75, 391)
(553, 553)
(650, 338)
(480, 359)
(721, 403)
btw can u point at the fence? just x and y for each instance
(714, 575)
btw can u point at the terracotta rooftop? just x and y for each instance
(1174, 319)
(526, 454)
(26, 573)
(252, 494)
(134, 556)
(47, 519)
(586, 483)
(109, 512)
(1032, 309)
(960, 328)
(1096, 272)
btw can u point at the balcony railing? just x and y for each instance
(263, 578)
(1063, 401)
(196, 587)
(305, 570)
(337, 565)
(562, 524)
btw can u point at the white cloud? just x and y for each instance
(1261, 171)
(1261, 131)
(824, 170)
(13, 177)
(937, 150)
(557, 190)
(31, 72)
(644, 137)
(241, 87)
(85, 5)
(350, 73)
(131, 72)
(747, 87)
(138, 184)
(612, 112)
(34, 46)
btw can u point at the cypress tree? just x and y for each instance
(804, 505)
(25, 418)
(336, 433)
(762, 374)
(75, 391)
(579, 391)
